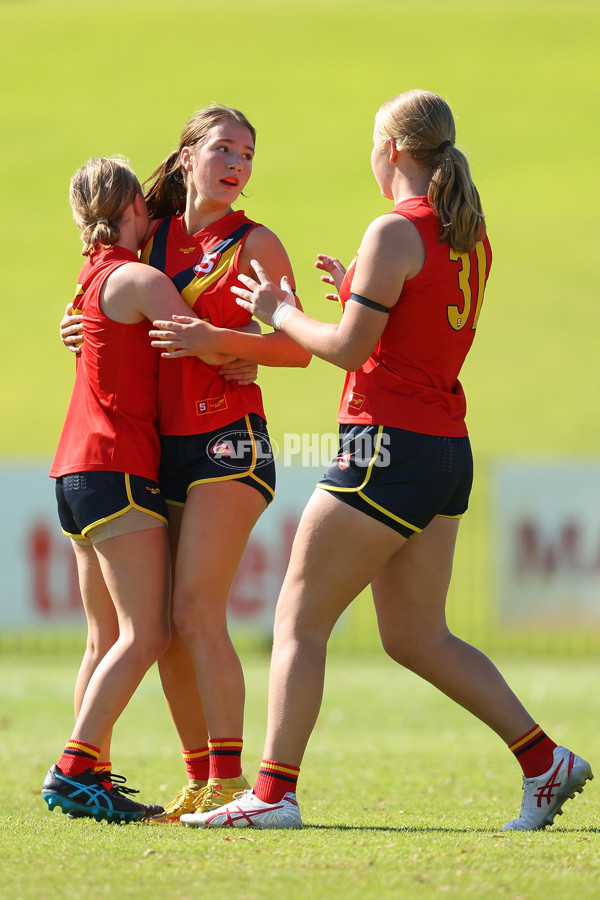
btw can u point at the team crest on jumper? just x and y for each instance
(207, 264)
(355, 401)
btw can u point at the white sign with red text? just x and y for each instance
(547, 525)
(39, 584)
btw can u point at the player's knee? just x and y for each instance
(98, 646)
(142, 647)
(398, 649)
(156, 639)
(294, 635)
(404, 645)
(414, 649)
(197, 625)
(188, 628)
(160, 641)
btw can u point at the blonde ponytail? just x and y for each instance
(422, 124)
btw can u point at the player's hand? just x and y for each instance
(241, 371)
(187, 336)
(335, 272)
(71, 329)
(261, 297)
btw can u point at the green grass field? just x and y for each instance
(403, 795)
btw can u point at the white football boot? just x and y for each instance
(544, 795)
(247, 811)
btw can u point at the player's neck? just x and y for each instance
(203, 214)
(129, 236)
(413, 182)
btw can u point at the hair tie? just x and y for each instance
(102, 222)
(443, 146)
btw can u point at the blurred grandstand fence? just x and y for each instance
(39, 594)
(526, 575)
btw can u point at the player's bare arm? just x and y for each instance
(388, 254)
(184, 338)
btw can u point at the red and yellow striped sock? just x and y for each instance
(104, 769)
(534, 752)
(274, 780)
(77, 757)
(196, 764)
(225, 757)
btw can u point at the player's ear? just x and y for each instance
(186, 159)
(392, 150)
(139, 205)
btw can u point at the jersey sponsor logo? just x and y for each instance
(344, 460)
(211, 405)
(355, 401)
(207, 264)
(187, 250)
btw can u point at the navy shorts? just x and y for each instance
(399, 477)
(89, 499)
(240, 451)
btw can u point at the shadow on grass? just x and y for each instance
(440, 829)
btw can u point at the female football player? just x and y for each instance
(106, 471)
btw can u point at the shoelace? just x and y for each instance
(182, 797)
(208, 791)
(173, 804)
(118, 785)
(210, 794)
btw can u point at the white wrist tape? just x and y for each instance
(282, 310)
